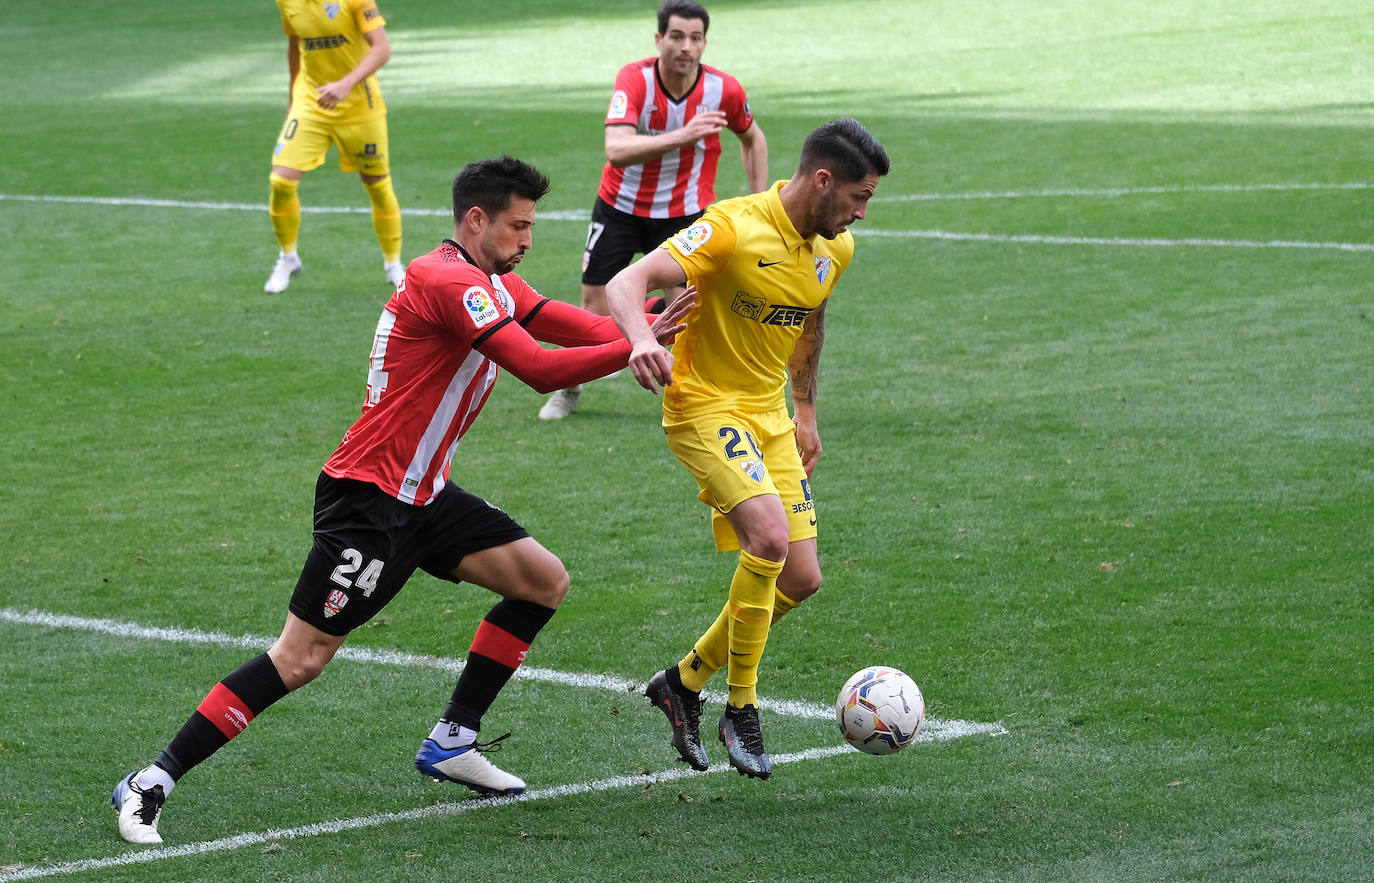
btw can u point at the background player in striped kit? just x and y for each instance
(662, 149)
(384, 503)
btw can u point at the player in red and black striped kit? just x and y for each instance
(385, 504)
(663, 146)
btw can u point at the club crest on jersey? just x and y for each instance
(754, 469)
(480, 306)
(331, 10)
(822, 269)
(334, 603)
(620, 105)
(693, 237)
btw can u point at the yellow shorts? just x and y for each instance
(735, 456)
(304, 140)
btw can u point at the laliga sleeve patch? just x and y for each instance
(620, 104)
(694, 237)
(480, 306)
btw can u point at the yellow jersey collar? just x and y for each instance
(790, 237)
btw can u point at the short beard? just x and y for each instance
(824, 211)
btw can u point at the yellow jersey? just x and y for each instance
(332, 42)
(757, 281)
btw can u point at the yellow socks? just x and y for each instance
(710, 653)
(738, 635)
(751, 610)
(284, 207)
(782, 605)
(386, 218)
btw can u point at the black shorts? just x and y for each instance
(368, 543)
(615, 237)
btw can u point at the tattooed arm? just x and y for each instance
(803, 368)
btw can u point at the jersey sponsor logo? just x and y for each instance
(748, 306)
(330, 42)
(331, 10)
(754, 469)
(370, 14)
(693, 237)
(620, 105)
(757, 309)
(334, 603)
(822, 269)
(480, 306)
(769, 264)
(785, 316)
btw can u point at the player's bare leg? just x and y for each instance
(532, 583)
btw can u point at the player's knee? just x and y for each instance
(800, 586)
(297, 671)
(770, 545)
(551, 586)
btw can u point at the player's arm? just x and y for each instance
(511, 346)
(554, 321)
(625, 146)
(378, 54)
(803, 368)
(651, 363)
(293, 65)
(753, 151)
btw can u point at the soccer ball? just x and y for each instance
(880, 710)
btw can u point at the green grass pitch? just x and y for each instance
(1096, 402)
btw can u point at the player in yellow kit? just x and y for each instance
(333, 52)
(764, 267)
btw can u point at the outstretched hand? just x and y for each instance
(672, 320)
(651, 363)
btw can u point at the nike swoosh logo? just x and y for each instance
(769, 264)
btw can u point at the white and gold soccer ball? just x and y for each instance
(880, 710)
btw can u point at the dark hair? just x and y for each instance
(846, 148)
(682, 9)
(490, 184)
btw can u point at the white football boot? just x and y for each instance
(395, 272)
(561, 403)
(467, 766)
(287, 266)
(139, 810)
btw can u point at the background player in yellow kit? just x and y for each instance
(334, 51)
(764, 267)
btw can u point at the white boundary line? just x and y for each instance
(1187, 242)
(932, 731)
(1114, 192)
(433, 811)
(1035, 239)
(149, 202)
